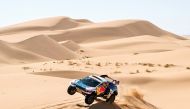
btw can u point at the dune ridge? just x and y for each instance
(113, 30)
(52, 23)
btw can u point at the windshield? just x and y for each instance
(90, 82)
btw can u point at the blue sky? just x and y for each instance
(172, 15)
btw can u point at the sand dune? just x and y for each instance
(10, 54)
(45, 46)
(35, 49)
(138, 44)
(134, 45)
(19, 32)
(63, 28)
(70, 45)
(113, 30)
(53, 23)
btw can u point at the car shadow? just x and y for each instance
(100, 104)
(104, 105)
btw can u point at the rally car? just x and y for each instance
(94, 86)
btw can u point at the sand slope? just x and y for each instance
(70, 45)
(138, 44)
(35, 49)
(10, 54)
(45, 46)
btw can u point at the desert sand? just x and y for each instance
(39, 58)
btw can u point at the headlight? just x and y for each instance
(73, 82)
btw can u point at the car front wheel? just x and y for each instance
(71, 90)
(89, 99)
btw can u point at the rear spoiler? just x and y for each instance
(106, 76)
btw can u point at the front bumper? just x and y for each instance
(84, 92)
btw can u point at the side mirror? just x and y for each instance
(117, 82)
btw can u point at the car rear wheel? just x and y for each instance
(89, 99)
(71, 90)
(111, 99)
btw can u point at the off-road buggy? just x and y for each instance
(90, 87)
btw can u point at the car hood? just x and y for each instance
(83, 86)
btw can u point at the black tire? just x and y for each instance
(89, 99)
(71, 90)
(111, 99)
